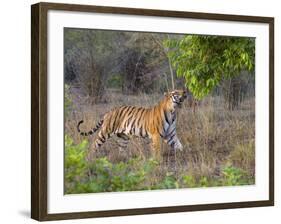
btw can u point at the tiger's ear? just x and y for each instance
(166, 94)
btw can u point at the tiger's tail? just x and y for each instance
(99, 124)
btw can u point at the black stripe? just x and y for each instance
(91, 131)
(171, 138)
(116, 118)
(158, 129)
(129, 117)
(98, 125)
(177, 102)
(133, 123)
(128, 121)
(79, 123)
(140, 116)
(123, 111)
(102, 140)
(132, 117)
(110, 119)
(171, 132)
(102, 137)
(164, 128)
(132, 131)
(100, 122)
(166, 117)
(131, 110)
(141, 131)
(146, 134)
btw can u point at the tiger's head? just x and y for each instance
(176, 97)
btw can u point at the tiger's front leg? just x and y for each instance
(177, 145)
(174, 142)
(156, 145)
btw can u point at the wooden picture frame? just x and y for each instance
(39, 110)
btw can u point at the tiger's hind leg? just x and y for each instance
(123, 141)
(102, 136)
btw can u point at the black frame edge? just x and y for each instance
(157, 210)
(38, 112)
(154, 12)
(35, 191)
(271, 111)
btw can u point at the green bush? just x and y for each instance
(106, 176)
(168, 182)
(101, 175)
(189, 181)
(75, 165)
(233, 176)
(230, 176)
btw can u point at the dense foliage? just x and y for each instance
(101, 175)
(204, 61)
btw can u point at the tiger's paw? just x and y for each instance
(179, 147)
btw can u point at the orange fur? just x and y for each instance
(154, 122)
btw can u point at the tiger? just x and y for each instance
(156, 122)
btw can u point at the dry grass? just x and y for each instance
(212, 136)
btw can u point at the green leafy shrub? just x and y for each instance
(189, 181)
(168, 182)
(204, 182)
(75, 164)
(233, 176)
(204, 61)
(101, 175)
(106, 176)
